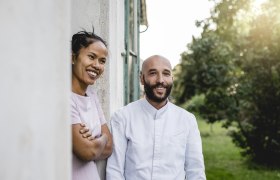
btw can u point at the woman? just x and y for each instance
(89, 55)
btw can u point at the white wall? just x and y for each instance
(116, 47)
(35, 89)
(107, 17)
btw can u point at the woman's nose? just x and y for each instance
(96, 64)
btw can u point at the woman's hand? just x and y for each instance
(109, 145)
(86, 147)
(84, 131)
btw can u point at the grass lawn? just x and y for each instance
(223, 160)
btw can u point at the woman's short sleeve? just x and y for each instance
(75, 115)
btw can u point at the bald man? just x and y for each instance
(153, 138)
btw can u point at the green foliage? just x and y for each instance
(236, 65)
(194, 104)
(259, 91)
(223, 160)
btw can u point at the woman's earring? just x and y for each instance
(73, 59)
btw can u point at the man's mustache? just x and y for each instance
(159, 85)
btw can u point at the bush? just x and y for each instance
(258, 117)
(194, 104)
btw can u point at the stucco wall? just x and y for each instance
(35, 81)
(107, 17)
(34, 93)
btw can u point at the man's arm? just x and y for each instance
(87, 149)
(194, 163)
(116, 162)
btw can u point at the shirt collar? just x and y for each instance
(156, 113)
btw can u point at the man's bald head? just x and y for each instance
(156, 76)
(155, 60)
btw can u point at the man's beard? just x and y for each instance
(152, 96)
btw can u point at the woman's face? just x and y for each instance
(89, 64)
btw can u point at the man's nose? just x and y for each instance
(160, 78)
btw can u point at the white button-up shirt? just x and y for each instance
(151, 144)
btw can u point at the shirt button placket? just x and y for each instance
(156, 160)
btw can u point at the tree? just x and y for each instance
(236, 64)
(259, 89)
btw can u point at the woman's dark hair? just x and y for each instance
(83, 39)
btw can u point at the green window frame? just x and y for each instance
(131, 55)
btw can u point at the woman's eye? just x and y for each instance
(91, 57)
(102, 61)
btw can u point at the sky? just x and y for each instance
(171, 27)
